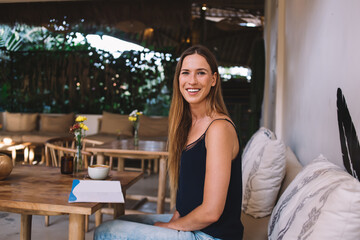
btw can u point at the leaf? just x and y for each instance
(350, 147)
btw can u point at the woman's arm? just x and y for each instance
(222, 146)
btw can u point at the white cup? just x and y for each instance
(98, 171)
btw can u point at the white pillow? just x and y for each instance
(322, 202)
(263, 169)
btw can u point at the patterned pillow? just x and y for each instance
(322, 202)
(263, 166)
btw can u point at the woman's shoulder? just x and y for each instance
(221, 124)
(221, 134)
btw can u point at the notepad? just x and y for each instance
(96, 191)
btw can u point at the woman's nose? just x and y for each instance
(193, 79)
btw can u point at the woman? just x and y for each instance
(204, 162)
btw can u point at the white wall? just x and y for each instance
(91, 122)
(270, 36)
(322, 53)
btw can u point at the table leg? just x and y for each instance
(76, 227)
(13, 156)
(161, 186)
(26, 154)
(100, 159)
(25, 230)
(31, 154)
(119, 209)
(121, 164)
(98, 218)
(156, 165)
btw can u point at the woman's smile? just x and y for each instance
(193, 90)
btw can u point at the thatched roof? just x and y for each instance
(159, 24)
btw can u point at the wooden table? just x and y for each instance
(13, 147)
(145, 148)
(37, 190)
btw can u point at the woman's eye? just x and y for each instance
(184, 73)
(201, 73)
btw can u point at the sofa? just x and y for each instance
(284, 200)
(112, 126)
(35, 128)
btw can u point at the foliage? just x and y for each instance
(49, 72)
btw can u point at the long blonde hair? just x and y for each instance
(180, 116)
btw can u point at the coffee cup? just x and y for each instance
(98, 171)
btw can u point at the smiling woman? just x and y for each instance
(204, 162)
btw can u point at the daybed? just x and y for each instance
(112, 126)
(34, 127)
(283, 200)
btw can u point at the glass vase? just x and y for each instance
(136, 137)
(78, 156)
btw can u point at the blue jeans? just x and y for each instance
(142, 227)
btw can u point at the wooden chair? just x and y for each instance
(55, 148)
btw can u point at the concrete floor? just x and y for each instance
(58, 229)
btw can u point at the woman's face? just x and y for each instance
(196, 79)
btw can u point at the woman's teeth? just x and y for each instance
(193, 90)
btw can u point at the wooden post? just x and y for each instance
(76, 227)
(47, 221)
(156, 166)
(25, 232)
(161, 186)
(100, 158)
(121, 164)
(119, 209)
(98, 218)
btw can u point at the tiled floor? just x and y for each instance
(58, 229)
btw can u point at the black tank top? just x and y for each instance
(191, 190)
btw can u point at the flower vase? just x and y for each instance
(136, 137)
(136, 129)
(78, 156)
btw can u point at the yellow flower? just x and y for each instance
(85, 127)
(132, 119)
(139, 113)
(80, 119)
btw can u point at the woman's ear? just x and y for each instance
(214, 78)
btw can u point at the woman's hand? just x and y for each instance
(175, 216)
(161, 224)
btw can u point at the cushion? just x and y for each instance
(153, 126)
(15, 136)
(56, 123)
(263, 166)
(42, 137)
(116, 124)
(322, 202)
(17, 122)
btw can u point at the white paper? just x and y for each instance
(96, 191)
